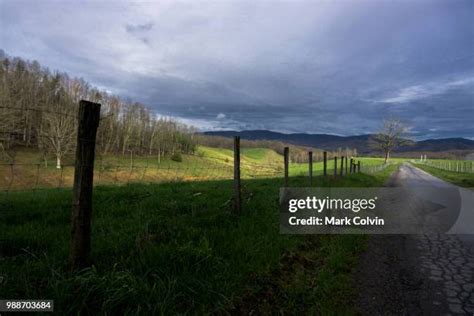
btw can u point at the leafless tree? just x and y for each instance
(58, 137)
(391, 135)
(34, 103)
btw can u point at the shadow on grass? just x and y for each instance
(176, 248)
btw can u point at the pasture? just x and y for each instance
(175, 247)
(28, 169)
(464, 178)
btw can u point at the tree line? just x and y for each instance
(38, 110)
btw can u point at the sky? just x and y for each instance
(333, 67)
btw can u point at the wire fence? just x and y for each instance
(26, 165)
(374, 168)
(460, 166)
(29, 171)
(112, 170)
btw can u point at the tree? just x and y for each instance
(59, 130)
(391, 135)
(58, 123)
(38, 109)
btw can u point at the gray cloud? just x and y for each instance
(138, 28)
(306, 66)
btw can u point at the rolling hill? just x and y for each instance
(360, 142)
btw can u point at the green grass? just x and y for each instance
(462, 179)
(261, 155)
(29, 172)
(301, 169)
(377, 161)
(175, 248)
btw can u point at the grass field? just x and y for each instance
(463, 179)
(175, 248)
(29, 172)
(453, 165)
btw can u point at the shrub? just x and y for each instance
(177, 157)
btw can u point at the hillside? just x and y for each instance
(360, 142)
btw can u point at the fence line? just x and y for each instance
(90, 169)
(452, 166)
(21, 176)
(23, 171)
(370, 169)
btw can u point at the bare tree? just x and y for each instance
(59, 131)
(37, 110)
(391, 136)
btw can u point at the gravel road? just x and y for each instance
(426, 274)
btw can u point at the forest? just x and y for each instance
(38, 111)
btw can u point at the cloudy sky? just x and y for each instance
(335, 67)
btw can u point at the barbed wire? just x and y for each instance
(69, 114)
(21, 109)
(18, 176)
(132, 165)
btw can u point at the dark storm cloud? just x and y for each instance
(307, 66)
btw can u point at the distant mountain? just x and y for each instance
(444, 144)
(360, 142)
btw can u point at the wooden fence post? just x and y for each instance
(286, 161)
(325, 163)
(89, 117)
(351, 167)
(335, 166)
(237, 184)
(345, 158)
(342, 166)
(358, 166)
(310, 161)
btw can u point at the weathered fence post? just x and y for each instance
(351, 167)
(358, 166)
(345, 158)
(310, 161)
(286, 161)
(89, 117)
(342, 166)
(325, 164)
(335, 166)
(237, 186)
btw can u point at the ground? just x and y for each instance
(222, 263)
(417, 274)
(176, 248)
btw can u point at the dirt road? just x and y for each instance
(429, 274)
